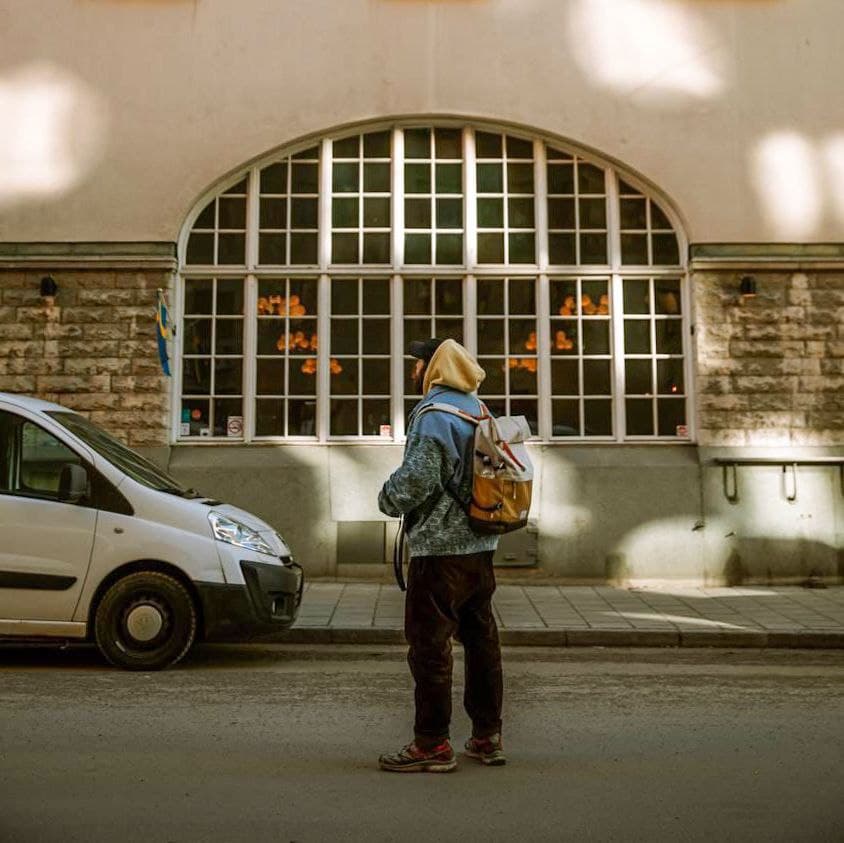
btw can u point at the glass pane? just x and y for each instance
(344, 248)
(667, 295)
(196, 377)
(376, 297)
(376, 178)
(232, 213)
(377, 145)
(200, 249)
(375, 413)
(345, 177)
(638, 376)
(344, 418)
(490, 336)
(595, 300)
(528, 409)
(197, 336)
(417, 295)
(564, 298)
(637, 336)
(417, 329)
(449, 213)
(522, 249)
(417, 178)
(640, 421)
(634, 249)
(417, 248)
(491, 213)
(240, 187)
(596, 337)
(224, 410)
(344, 376)
(519, 148)
(669, 336)
(301, 418)
(274, 178)
(376, 336)
(520, 178)
(564, 377)
(302, 337)
(658, 218)
(633, 212)
(344, 296)
(270, 377)
(593, 213)
(520, 213)
(590, 179)
(449, 296)
(303, 297)
(449, 329)
(304, 212)
(565, 416)
(522, 375)
(669, 377)
(521, 295)
(665, 250)
(522, 336)
(490, 296)
(198, 295)
(206, 216)
(488, 145)
(490, 248)
(561, 249)
(417, 213)
(450, 249)
(494, 383)
(563, 336)
(196, 413)
(303, 248)
(449, 178)
(596, 377)
(344, 336)
(228, 377)
(273, 213)
(344, 212)
(593, 248)
(305, 178)
(271, 336)
(417, 143)
(556, 154)
(269, 417)
(376, 248)
(347, 147)
(230, 296)
(490, 178)
(448, 143)
(561, 178)
(229, 339)
(636, 295)
(376, 212)
(598, 418)
(376, 377)
(231, 248)
(671, 413)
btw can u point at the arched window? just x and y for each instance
(304, 278)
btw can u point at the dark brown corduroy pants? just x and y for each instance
(451, 596)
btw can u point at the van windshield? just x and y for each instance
(137, 467)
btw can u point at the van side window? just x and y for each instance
(8, 450)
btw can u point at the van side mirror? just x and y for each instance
(73, 483)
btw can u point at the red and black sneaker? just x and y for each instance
(488, 751)
(413, 759)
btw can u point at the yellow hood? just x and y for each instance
(453, 366)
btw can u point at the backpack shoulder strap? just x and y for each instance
(450, 408)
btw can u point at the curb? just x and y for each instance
(798, 639)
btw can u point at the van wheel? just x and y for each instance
(145, 621)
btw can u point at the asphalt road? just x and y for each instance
(280, 744)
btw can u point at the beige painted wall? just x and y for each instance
(118, 114)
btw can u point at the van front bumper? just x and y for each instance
(267, 601)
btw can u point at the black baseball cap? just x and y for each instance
(424, 349)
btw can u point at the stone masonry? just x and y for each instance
(94, 350)
(770, 369)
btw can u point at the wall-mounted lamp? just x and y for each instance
(747, 286)
(48, 290)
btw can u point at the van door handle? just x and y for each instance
(118, 530)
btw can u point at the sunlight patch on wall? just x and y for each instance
(651, 49)
(833, 154)
(787, 180)
(54, 132)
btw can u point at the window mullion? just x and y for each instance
(543, 383)
(324, 253)
(470, 191)
(470, 314)
(397, 356)
(397, 208)
(177, 314)
(250, 356)
(617, 351)
(323, 375)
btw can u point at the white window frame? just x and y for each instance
(470, 271)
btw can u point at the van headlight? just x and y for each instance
(233, 532)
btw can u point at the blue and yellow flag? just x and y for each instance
(162, 320)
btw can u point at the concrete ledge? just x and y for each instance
(699, 638)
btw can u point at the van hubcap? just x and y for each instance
(144, 622)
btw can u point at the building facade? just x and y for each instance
(630, 212)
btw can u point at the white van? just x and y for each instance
(97, 542)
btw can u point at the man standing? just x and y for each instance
(450, 581)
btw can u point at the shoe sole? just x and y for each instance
(494, 760)
(421, 767)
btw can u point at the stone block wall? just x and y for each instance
(94, 350)
(770, 369)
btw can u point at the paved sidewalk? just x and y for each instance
(600, 616)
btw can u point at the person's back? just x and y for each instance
(451, 581)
